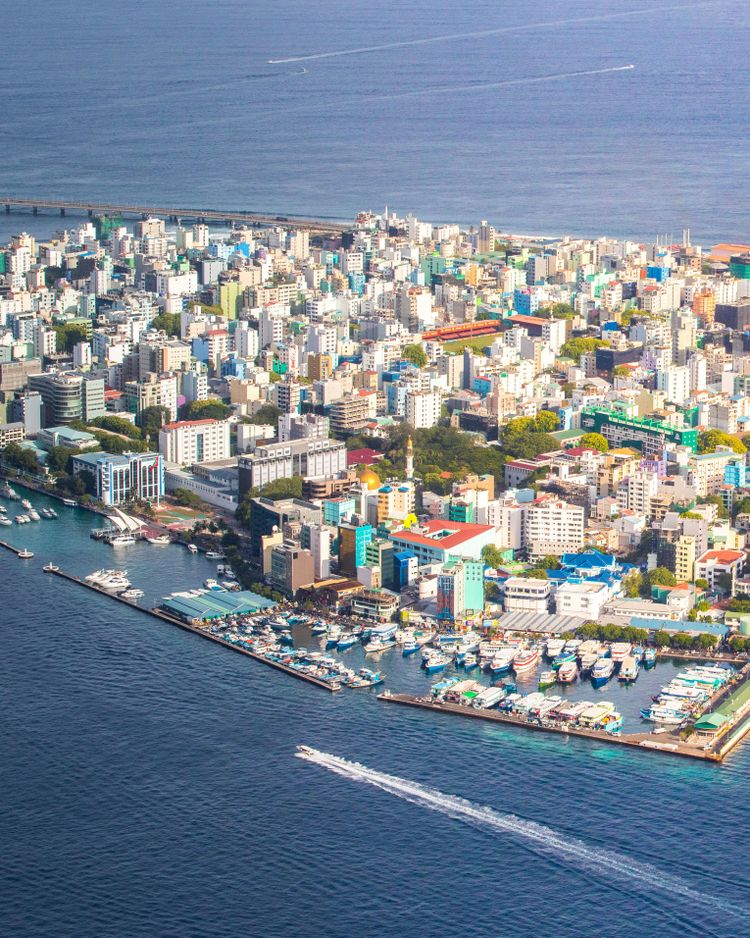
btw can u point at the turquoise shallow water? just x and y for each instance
(150, 787)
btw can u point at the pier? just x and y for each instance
(667, 743)
(11, 548)
(175, 213)
(196, 630)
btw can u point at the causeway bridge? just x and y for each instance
(174, 213)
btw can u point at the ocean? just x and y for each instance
(151, 787)
(526, 114)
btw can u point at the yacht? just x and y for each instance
(34, 515)
(131, 594)
(214, 555)
(70, 502)
(158, 540)
(6, 521)
(115, 580)
(25, 503)
(7, 492)
(192, 548)
(121, 540)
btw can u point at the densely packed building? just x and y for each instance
(609, 381)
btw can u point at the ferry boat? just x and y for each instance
(594, 716)
(660, 713)
(192, 548)
(436, 661)
(620, 651)
(629, 670)
(525, 660)
(568, 672)
(502, 661)
(602, 672)
(547, 679)
(553, 647)
(588, 661)
(25, 554)
(565, 657)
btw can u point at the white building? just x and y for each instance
(582, 599)
(422, 409)
(527, 594)
(193, 441)
(554, 527)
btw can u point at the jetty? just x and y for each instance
(196, 630)
(14, 550)
(667, 743)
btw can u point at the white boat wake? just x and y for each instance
(485, 86)
(481, 33)
(606, 863)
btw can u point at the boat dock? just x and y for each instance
(668, 743)
(11, 548)
(196, 630)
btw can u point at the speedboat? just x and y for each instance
(602, 672)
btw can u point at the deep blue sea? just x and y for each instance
(512, 110)
(150, 787)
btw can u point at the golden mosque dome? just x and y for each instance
(370, 479)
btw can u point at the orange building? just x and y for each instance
(704, 307)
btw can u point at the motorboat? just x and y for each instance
(211, 584)
(346, 641)
(192, 548)
(214, 555)
(435, 661)
(70, 502)
(121, 540)
(6, 521)
(547, 679)
(158, 540)
(470, 661)
(649, 658)
(629, 670)
(131, 594)
(568, 672)
(34, 515)
(25, 503)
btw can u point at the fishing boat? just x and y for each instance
(379, 643)
(602, 672)
(629, 670)
(470, 661)
(525, 660)
(409, 648)
(346, 641)
(25, 554)
(649, 658)
(501, 662)
(568, 672)
(547, 679)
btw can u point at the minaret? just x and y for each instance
(409, 459)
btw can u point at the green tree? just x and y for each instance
(69, 335)
(210, 409)
(661, 638)
(117, 425)
(681, 640)
(537, 573)
(576, 348)
(595, 441)
(659, 576)
(152, 419)
(701, 584)
(710, 439)
(548, 562)
(706, 642)
(167, 322)
(266, 414)
(632, 583)
(719, 502)
(20, 457)
(58, 458)
(116, 444)
(188, 498)
(416, 355)
(492, 556)
(620, 371)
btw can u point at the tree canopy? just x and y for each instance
(527, 437)
(710, 439)
(659, 576)
(595, 441)
(20, 457)
(117, 425)
(210, 409)
(577, 347)
(69, 335)
(167, 322)
(416, 355)
(492, 555)
(152, 419)
(266, 414)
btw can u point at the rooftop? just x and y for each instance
(442, 533)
